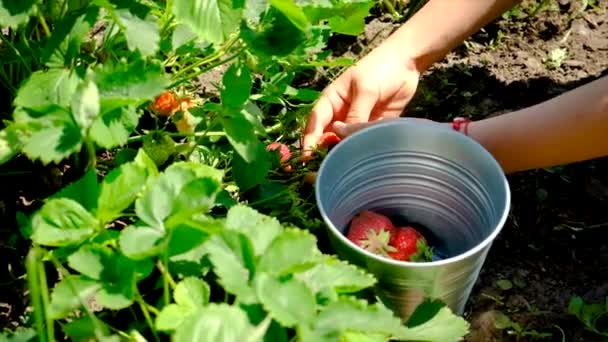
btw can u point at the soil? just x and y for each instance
(555, 243)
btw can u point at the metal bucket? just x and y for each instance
(431, 175)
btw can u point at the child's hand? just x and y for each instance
(378, 86)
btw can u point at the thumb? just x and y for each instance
(361, 106)
(343, 130)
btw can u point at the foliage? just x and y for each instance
(193, 230)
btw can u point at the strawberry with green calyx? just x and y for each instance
(409, 245)
(159, 147)
(371, 231)
(283, 152)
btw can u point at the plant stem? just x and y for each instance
(144, 309)
(45, 26)
(31, 265)
(44, 294)
(210, 67)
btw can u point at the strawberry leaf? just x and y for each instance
(259, 228)
(217, 322)
(241, 135)
(289, 301)
(84, 191)
(172, 195)
(277, 36)
(142, 33)
(71, 293)
(336, 275)
(113, 128)
(212, 20)
(231, 256)
(14, 13)
(46, 89)
(85, 104)
(51, 137)
(290, 251)
(122, 84)
(62, 222)
(192, 292)
(90, 260)
(141, 242)
(10, 144)
(293, 12)
(352, 315)
(171, 317)
(119, 190)
(248, 175)
(236, 86)
(433, 321)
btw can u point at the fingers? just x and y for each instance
(320, 117)
(361, 106)
(343, 130)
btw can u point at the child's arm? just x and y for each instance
(569, 128)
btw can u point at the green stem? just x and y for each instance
(17, 52)
(144, 309)
(31, 265)
(44, 293)
(45, 26)
(91, 154)
(210, 67)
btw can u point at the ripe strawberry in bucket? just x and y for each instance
(377, 234)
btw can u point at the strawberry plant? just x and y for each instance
(196, 226)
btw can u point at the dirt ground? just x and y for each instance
(555, 244)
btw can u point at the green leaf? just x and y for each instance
(141, 242)
(142, 34)
(9, 144)
(62, 222)
(121, 84)
(293, 12)
(237, 85)
(352, 315)
(352, 19)
(119, 190)
(277, 36)
(84, 191)
(216, 322)
(290, 251)
(336, 275)
(45, 89)
(241, 135)
(230, 260)
(85, 104)
(168, 194)
(289, 301)
(504, 284)
(71, 293)
(90, 260)
(52, 137)
(444, 326)
(15, 13)
(260, 229)
(248, 175)
(113, 128)
(172, 316)
(212, 20)
(192, 293)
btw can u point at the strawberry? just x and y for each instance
(284, 154)
(283, 150)
(409, 245)
(371, 231)
(329, 139)
(166, 104)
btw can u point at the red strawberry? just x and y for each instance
(283, 150)
(371, 231)
(329, 139)
(409, 245)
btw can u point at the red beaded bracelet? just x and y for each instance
(461, 124)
